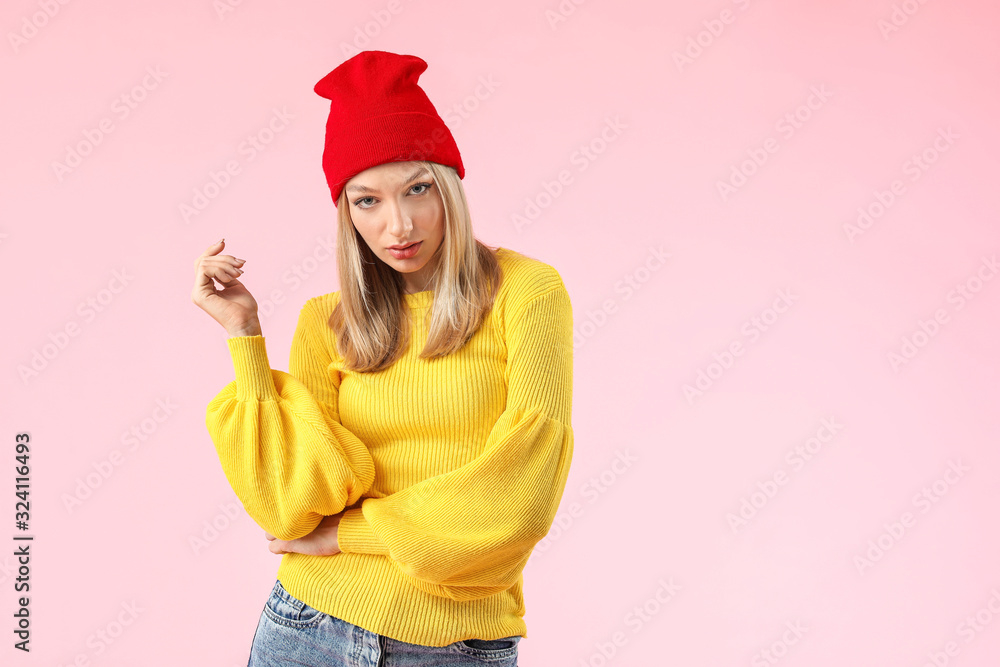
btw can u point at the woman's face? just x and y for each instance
(396, 204)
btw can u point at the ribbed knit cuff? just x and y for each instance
(355, 535)
(253, 372)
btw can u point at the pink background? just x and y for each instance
(658, 475)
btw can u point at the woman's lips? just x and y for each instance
(407, 252)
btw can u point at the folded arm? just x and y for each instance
(279, 438)
(468, 533)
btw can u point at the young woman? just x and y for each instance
(419, 444)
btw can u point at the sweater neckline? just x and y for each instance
(419, 299)
(426, 298)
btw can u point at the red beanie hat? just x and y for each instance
(379, 114)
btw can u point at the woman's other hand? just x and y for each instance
(321, 542)
(233, 306)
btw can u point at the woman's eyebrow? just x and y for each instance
(363, 188)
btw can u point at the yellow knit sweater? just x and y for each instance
(451, 469)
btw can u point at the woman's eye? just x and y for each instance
(359, 202)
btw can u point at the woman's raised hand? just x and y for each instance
(233, 306)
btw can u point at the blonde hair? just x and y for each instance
(371, 322)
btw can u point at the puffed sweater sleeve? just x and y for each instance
(468, 533)
(279, 437)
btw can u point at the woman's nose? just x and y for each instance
(399, 219)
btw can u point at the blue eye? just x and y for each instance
(357, 202)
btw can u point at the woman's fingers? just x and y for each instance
(212, 250)
(211, 256)
(225, 261)
(275, 545)
(224, 270)
(205, 284)
(219, 292)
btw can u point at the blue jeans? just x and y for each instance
(290, 632)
